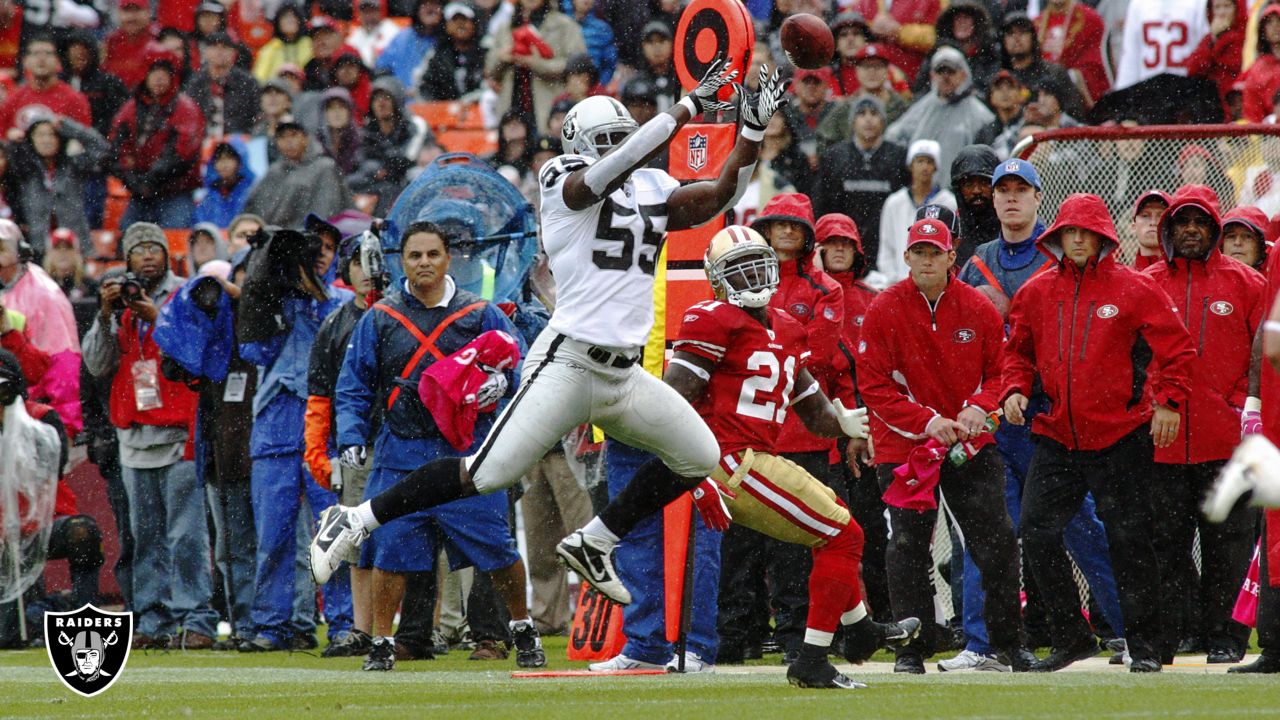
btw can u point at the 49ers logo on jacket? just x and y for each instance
(800, 310)
(1108, 311)
(964, 335)
(1221, 307)
(697, 151)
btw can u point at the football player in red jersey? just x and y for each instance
(741, 364)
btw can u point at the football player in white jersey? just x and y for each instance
(604, 216)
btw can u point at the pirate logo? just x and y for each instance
(697, 151)
(88, 647)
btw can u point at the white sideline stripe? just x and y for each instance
(796, 513)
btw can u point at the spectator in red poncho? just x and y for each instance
(155, 143)
(42, 90)
(1221, 52)
(125, 49)
(906, 27)
(326, 45)
(10, 35)
(1071, 35)
(350, 73)
(1262, 80)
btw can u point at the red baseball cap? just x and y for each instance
(870, 51)
(931, 231)
(63, 237)
(135, 4)
(323, 22)
(1148, 196)
(822, 73)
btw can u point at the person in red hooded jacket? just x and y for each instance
(1220, 302)
(929, 369)
(155, 146)
(124, 51)
(816, 300)
(1262, 79)
(1093, 329)
(840, 248)
(1220, 54)
(1244, 236)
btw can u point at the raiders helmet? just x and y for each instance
(592, 126)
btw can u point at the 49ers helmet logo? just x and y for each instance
(1221, 307)
(1108, 311)
(964, 335)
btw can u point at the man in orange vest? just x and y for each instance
(172, 577)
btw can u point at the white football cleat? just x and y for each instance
(592, 558)
(337, 541)
(1254, 468)
(693, 663)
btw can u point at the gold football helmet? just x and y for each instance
(741, 266)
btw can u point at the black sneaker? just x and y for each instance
(1145, 665)
(260, 643)
(1225, 655)
(304, 641)
(820, 676)
(910, 664)
(351, 643)
(528, 644)
(1059, 658)
(865, 637)
(592, 559)
(1019, 660)
(381, 657)
(789, 657)
(1264, 665)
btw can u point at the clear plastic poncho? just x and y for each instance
(28, 486)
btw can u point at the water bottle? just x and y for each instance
(960, 453)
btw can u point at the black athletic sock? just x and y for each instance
(813, 654)
(435, 483)
(653, 487)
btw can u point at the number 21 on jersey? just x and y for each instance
(759, 397)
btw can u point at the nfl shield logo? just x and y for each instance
(88, 647)
(697, 151)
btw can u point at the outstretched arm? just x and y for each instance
(586, 186)
(698, 203)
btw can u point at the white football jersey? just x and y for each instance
(1159, 37)
(603, 257)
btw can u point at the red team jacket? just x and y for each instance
(1089, 334)
(857, 294)
(1221, 303)
(917, 362)
(749, 396)
(816, 300)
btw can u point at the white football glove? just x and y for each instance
(492, 390)
(852, 422)
(703, 97)
(354, 456)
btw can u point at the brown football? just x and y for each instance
(807, 41)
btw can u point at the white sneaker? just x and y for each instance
(622, 662)
(336, 541)
(692, 664)
(970, 660)
(1255, 466)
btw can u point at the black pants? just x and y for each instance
(1225, 550)
(744, 554)
(1268, 621)
(1120, 479)
(974, 493)
(417, 614)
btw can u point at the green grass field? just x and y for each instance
(299, 686)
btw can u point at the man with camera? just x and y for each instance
(152, 416)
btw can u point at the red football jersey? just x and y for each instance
(749, 395)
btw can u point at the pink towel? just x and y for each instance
(448, 387)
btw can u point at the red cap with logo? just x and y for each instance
(930, 231)
(870, 51)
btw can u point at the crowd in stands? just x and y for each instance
(154, 138)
